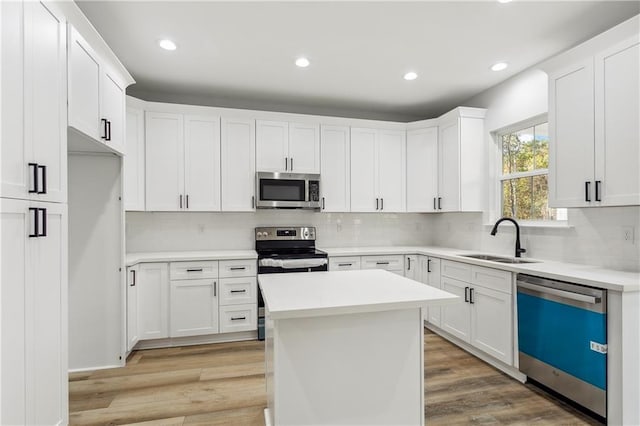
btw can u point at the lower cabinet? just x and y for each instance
(485, 319)
(234, 318)
(194, 307)
(132, 306)
(153, 300)
(430, 275)
(344, 263)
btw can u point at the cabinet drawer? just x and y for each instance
(193, 270)
(238, 268)
(390, 263)
(238, 291)
(456, 270)
(492, 278)
(238, 318)
(344, 263)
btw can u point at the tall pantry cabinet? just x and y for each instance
(33, 215)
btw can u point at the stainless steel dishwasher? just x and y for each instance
(562, 339)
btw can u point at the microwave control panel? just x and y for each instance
(314, 190)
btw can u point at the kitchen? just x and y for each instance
(384, 192)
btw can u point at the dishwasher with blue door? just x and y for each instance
(562, 339)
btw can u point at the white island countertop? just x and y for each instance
(313, 294)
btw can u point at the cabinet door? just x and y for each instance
(238, 164)
(455, 319)
(571, 144)
(272, 146)
(16, 225)
(45, 86)
(304, 148)
(434, 279)
(238, 291)
(363, 171)
(392, 170)
(422, 169)
(132, 307)
(617, 126)
(84, 87)
(194, 307)
(202, 163)
(334, 165)
(491, 323)
(412, 267)
(235, 318)
(164, 153)
(449, 167)
(112, 110)
(134, 161)
(344, 263)
(14, 155)
(46, 320)
(153, 301)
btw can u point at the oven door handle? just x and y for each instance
(577, 297)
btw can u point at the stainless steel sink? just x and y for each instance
(499, 259)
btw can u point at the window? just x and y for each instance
(524, 179)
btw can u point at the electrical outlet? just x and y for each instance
(598, 347)
(628, 234)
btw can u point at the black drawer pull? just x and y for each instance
(36, 215)
(428, 265)
(598, 183)
(194, 270)
(43, 231)
(35, 189)
(382, 263)
(238, 291)
(587, 191)
(466, 294)
(43, 190)
(104, 128)
(471, 296)
(238, 318)
(133, 276)
(238, 268)
(345, 264)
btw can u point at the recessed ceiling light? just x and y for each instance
(410, 75)
(499, 66)
(302, 62)
(167, 44)
(504, 1)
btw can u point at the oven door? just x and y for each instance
(285, 190)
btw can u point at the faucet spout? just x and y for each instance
(519, 250)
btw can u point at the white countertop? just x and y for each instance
(581, 274)
(177, 256)
(312, 294)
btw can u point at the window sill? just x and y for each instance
(559, 224)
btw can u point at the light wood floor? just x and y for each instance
(223, 384)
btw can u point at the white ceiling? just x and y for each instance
(241, 54)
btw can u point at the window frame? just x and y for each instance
(500, 177)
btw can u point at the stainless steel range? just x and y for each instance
(285, 250)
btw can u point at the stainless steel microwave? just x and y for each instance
(287, 190)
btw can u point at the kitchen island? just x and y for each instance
(345, 347)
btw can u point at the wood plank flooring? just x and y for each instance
(223, 384)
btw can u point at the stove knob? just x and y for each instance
(259, 234)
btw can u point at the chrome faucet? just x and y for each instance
(494, 231)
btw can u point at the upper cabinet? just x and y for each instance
(334, 169)
(182, 162)
(133, 162)
(287, 147)
(96, 95)
(422, 169)
(594, 127)
(378, 170)
(238, 164)
(34, 114)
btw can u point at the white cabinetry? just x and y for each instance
(133, 162)
(594, 127)
(412, 267)
(485, 319)
(287, 147)
(96, 95)
(378, 170)
(344, 263)
(393, 263)
(238, 164)
(34, 113)
(132, 307)
(194, 307)
(430, 267)
(153, 301)
(33, 369)
(182, 162)
(422, 169)
(334, 169)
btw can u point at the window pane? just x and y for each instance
(541, 135)
(527, 199)
(509, 144)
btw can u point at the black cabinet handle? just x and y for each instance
(180, 200)
(345, 264)
(428, 265)
(439, 203)
(471, 296)
(195, 270)
(409, 263)
(322, 203)
(215, 289)
(35, 189)
(238, 268)
(133, 278)
(382, 263)
(466, 294)
(291, 163)
(253, 201)
(238, 291)
(286, 163)
(587, 191)
(104, 128)
(238, 318)
(43, 231)
(434, 203)
(377, 203)
(187, 200)
(34, 234)
(381, 203)
(598, 183)
(43, 189)
(108, 130)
